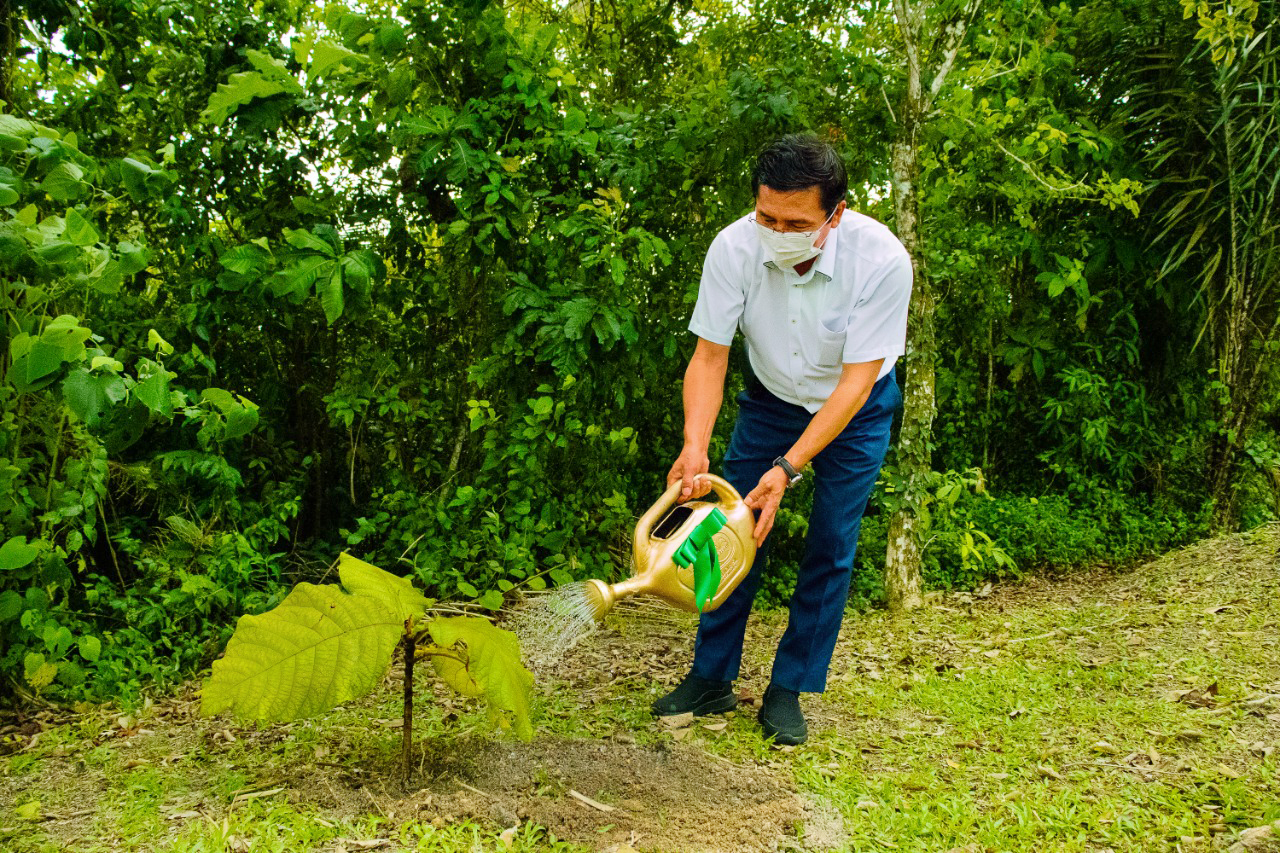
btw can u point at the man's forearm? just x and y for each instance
(836, 413)
(703, 394)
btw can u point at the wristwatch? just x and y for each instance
(793, 476)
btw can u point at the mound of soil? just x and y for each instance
(672, 798)
(603, 794)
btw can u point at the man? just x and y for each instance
(820, 294)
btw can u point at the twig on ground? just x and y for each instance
(377, 805)
(587, 801)
(474, 788)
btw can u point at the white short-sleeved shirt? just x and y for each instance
(850, 307)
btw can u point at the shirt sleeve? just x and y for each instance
(878, 327)
(721, 295)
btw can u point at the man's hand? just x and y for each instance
(767, 497)
(688, 466)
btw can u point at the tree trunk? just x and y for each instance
(902, 575)
(902, 559)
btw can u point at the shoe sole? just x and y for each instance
(717, 706)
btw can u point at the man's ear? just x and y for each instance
(835, 217)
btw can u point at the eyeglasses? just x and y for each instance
(814, 233)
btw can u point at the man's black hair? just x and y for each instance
(799, 161)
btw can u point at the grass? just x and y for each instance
(1126, 712)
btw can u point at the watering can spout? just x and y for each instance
(690, 555)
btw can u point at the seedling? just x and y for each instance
(326, 644)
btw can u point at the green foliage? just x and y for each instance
(70, 400)
(415, 278)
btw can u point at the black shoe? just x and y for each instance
(698, 695)
(781, 717)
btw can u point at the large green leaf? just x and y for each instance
(108, 277)
(241, 421)
(488, 664)
(143, 180)
(80, 231)
(325, 54)
(90, 395)
(34, 362)
(11, 606)
(133, 257)
(320, 647)
(246, 259)
(17, 552)
(240, 89)
(330, 290)
(396, 593)
(64, 182)
(301, 238)
(153, 392)
(273, 69)
(239, 415)
(296, 279)
(357, 270)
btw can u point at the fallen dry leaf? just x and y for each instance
(677, 721)
(1202, 698)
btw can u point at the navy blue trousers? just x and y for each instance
(844, 474)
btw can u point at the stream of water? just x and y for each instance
(552, 624)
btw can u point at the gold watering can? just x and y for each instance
(674, 545)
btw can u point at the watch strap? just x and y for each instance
(793, 476)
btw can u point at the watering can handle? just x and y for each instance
(729, 499)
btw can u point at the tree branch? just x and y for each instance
(905, 26)
(954, 37)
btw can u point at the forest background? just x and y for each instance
(412, 279)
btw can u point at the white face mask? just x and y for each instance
(790, 249)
